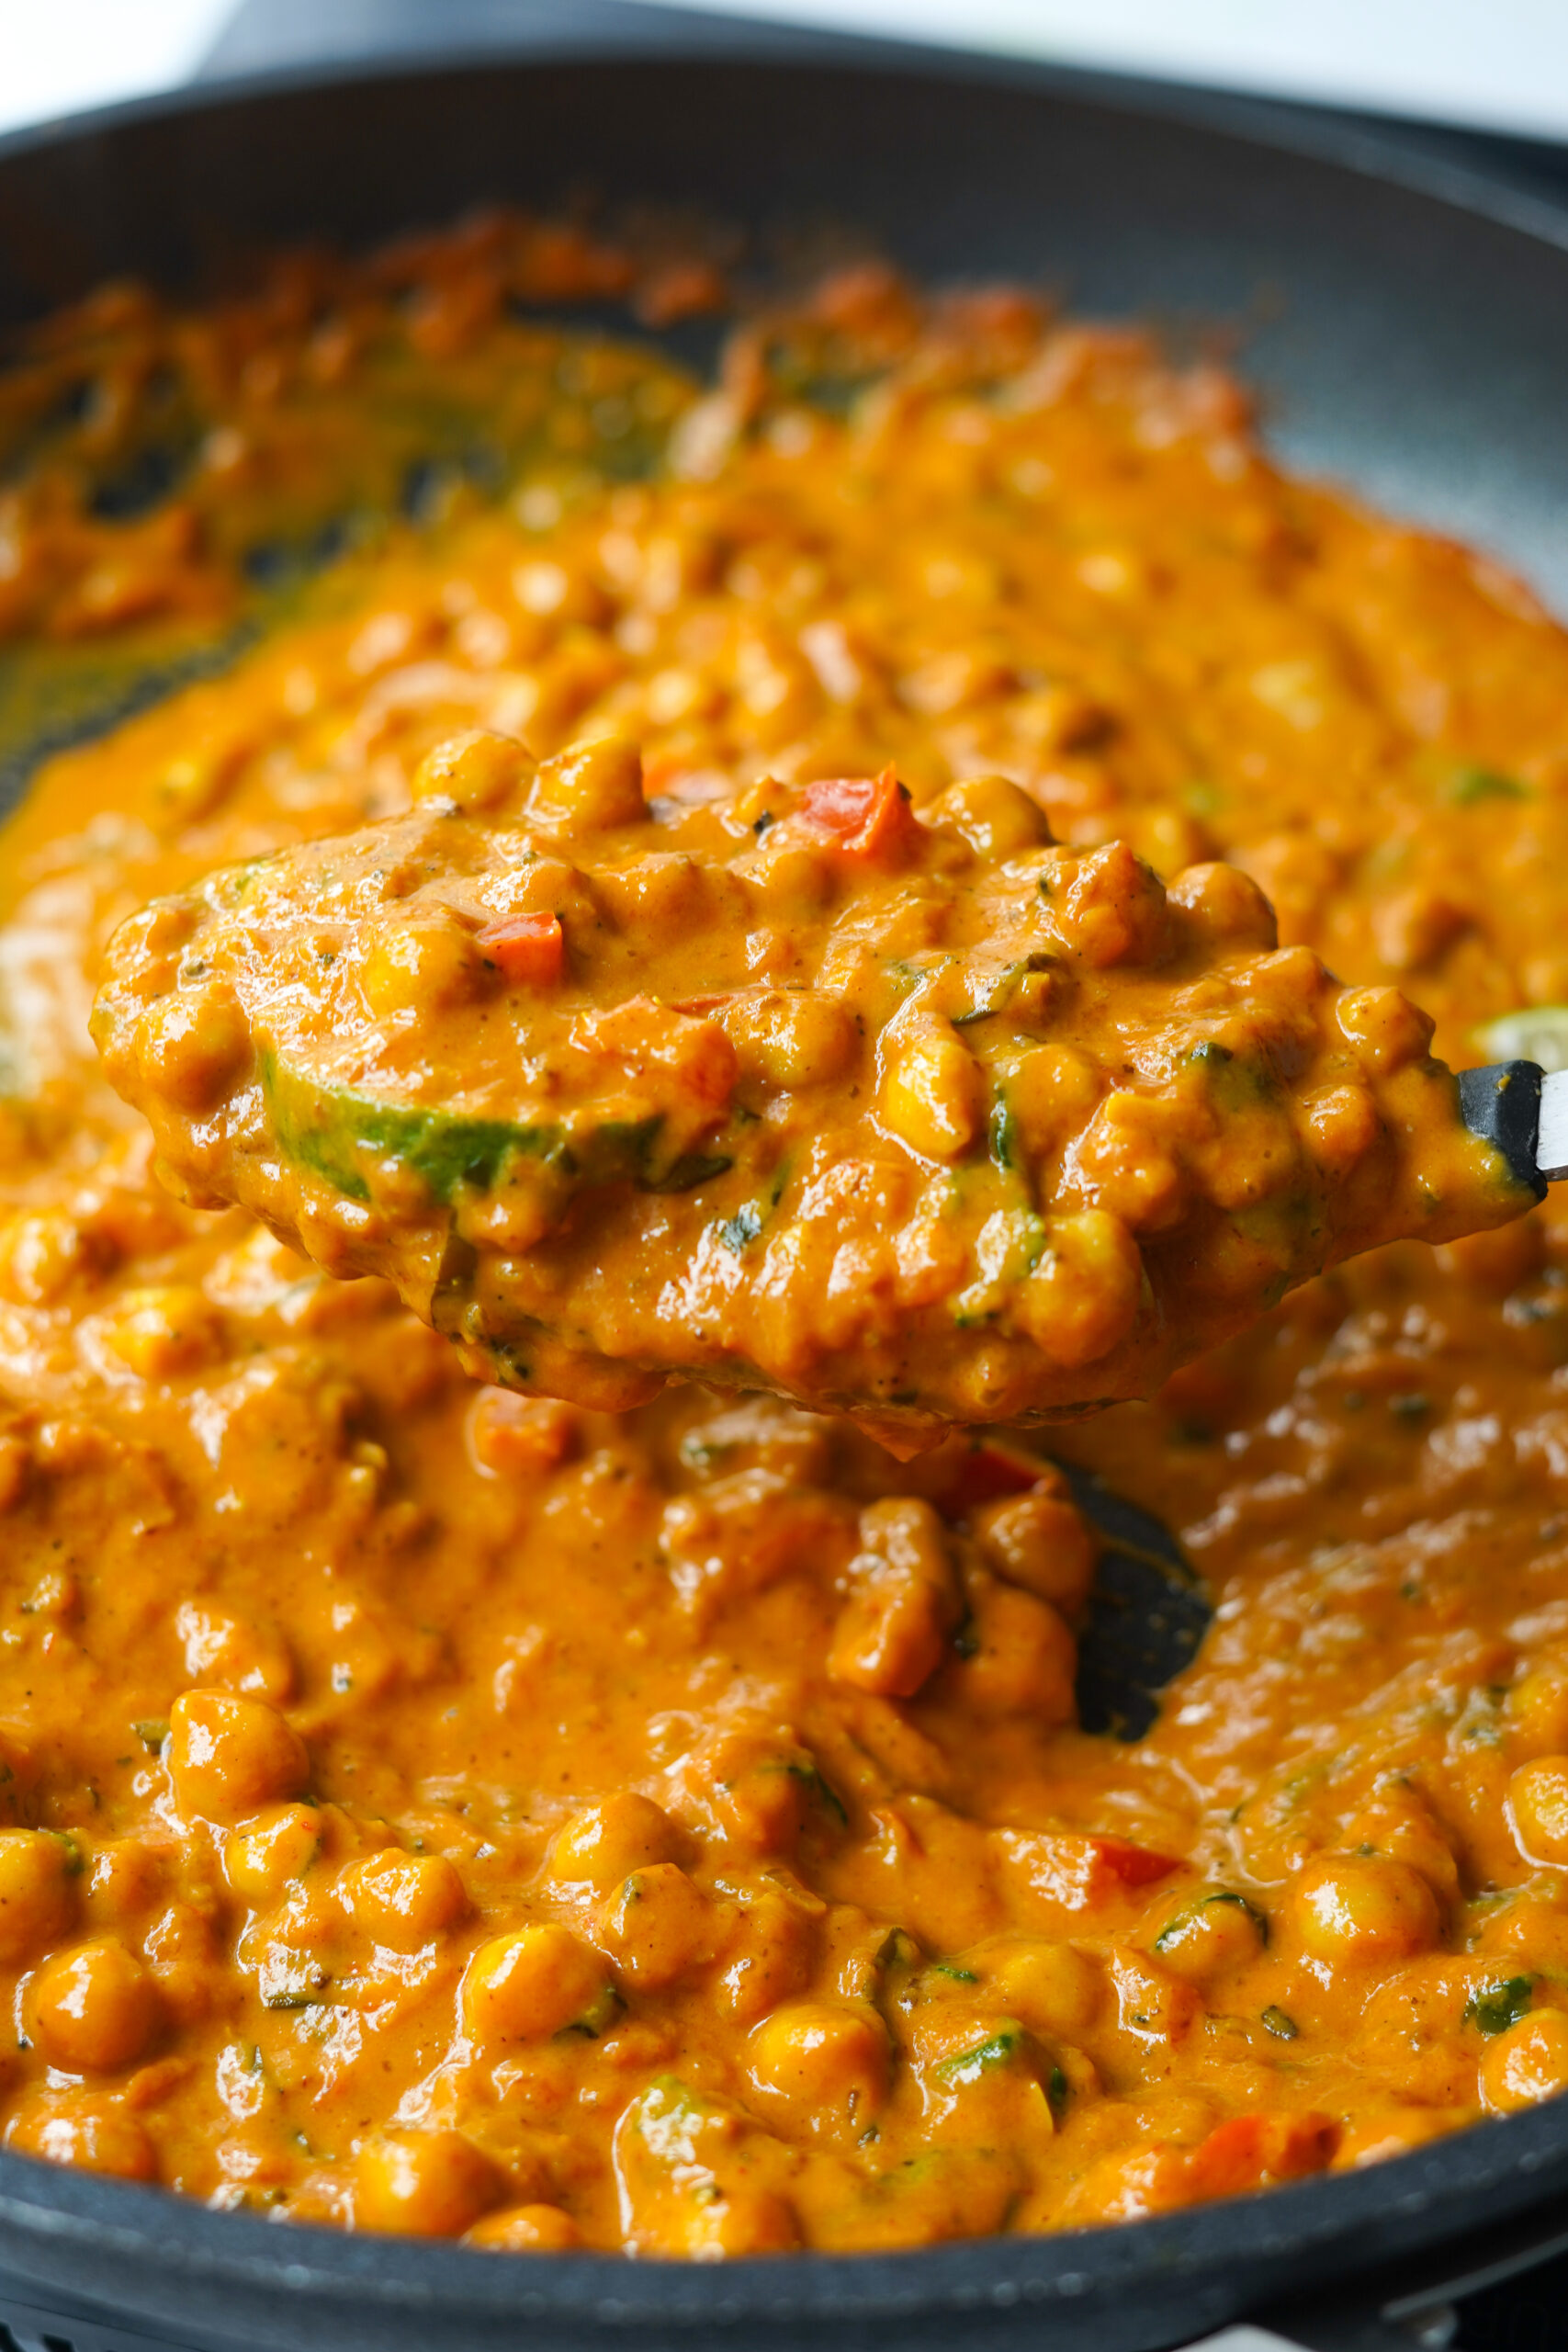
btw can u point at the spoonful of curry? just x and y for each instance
(899, 1109)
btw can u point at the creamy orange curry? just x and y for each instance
(431, 1808)
(611, 1090)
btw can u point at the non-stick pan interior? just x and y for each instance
(1409, 346)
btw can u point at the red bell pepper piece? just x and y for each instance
(865, 815)
(530, 949)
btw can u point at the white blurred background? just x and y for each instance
(1488, 64)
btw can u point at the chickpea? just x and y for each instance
(193, 1044)
(106, 2139)
(995, 816)
(1083, 1297)
(1352, 1908)
(1041, 1541)
(658, 1927)
(1217, 1932)
(591, 786)
(37, 1899)
(525, 2229)
(227, 1755)
(1538, 1703)
(476, 770)
(1110, 907)
(1526, 2063)
(261, 1862)
(893, 1633)
(1019, 1656)
(404, 1900)
(422, 2184)
(1052, 1091)
(1225, 906)
(1055, 1988)
(824, 2067)
(932, 1098)
(165, 1330)
(529, 1983)
(432, 962)
(1538, 1805)
(224, 1649)
(792, 1037)
(42, 1252)
(1382, 1028)
(94, 2008)
(604, 1842)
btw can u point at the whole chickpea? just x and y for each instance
(525, 2229)
(1216, 1932)
(104, 2140)
(37, 1899)
(823, 2065)
(1538, 1807)
(1359, 1908)
(530, 1983)
(227, 1755)
(404, 1900)
(600, 1845)
(94, 2008)
(260, 1861)
(1526, 2063)
(422, 2184)
(1039, 1540)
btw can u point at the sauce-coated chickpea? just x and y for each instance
(94, 2008)
(657, 1926)
(932, 1098)
(1019, 1658)
(37, 1895)
(1040, 1540)
(602, 1843)
(404, 1900)
(826, 2067)
(1361, 1907)
(1055, 1988)
(1538, 1803)
(1210, 1935)
(525, 2229)
(422, 2184)
(259, 1862)
(1526, 2063)
(227, 1755)
(106, 2139)
(530, 1983)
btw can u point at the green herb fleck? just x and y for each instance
(1494, 2008)
(1276, 2022)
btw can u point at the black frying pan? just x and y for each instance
(1414, 341)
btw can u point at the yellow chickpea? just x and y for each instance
(1019, 1655)
(260, 1862)
(1040, 1540)
(1359, 1908)
(42, 1252)
(525, 2229)
(1055, 1988)
(37, 1897)
(1082, 1298)
(1382, 1028)
(1538, 1703)
(1526, 2063)
(995, 816)
(432, 962)
(476, 771)
(1538, 1805)
(894, 1630)
(1051, 1093)
(1214, 1933)
(823, 2066)
(94, 2008)
(106, 2139)
(591, 786)
(520, 1437)
(404, 1900)
(422, 2184)
(658, 1927)
(193, 1044)
(932, 1098)
(1226, 906)
(162, 1331)
(792, 1037)
(227, 1755)
(530, 1983)
(627, 1832)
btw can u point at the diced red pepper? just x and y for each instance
(1078, 1870)
(987, 1472)
(530, 949)
(1247, 2151)
(865, 815)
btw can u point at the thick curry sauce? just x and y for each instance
(434, 1809)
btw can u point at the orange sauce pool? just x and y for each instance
(434, 1810)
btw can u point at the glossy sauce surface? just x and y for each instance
(439, 1810)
